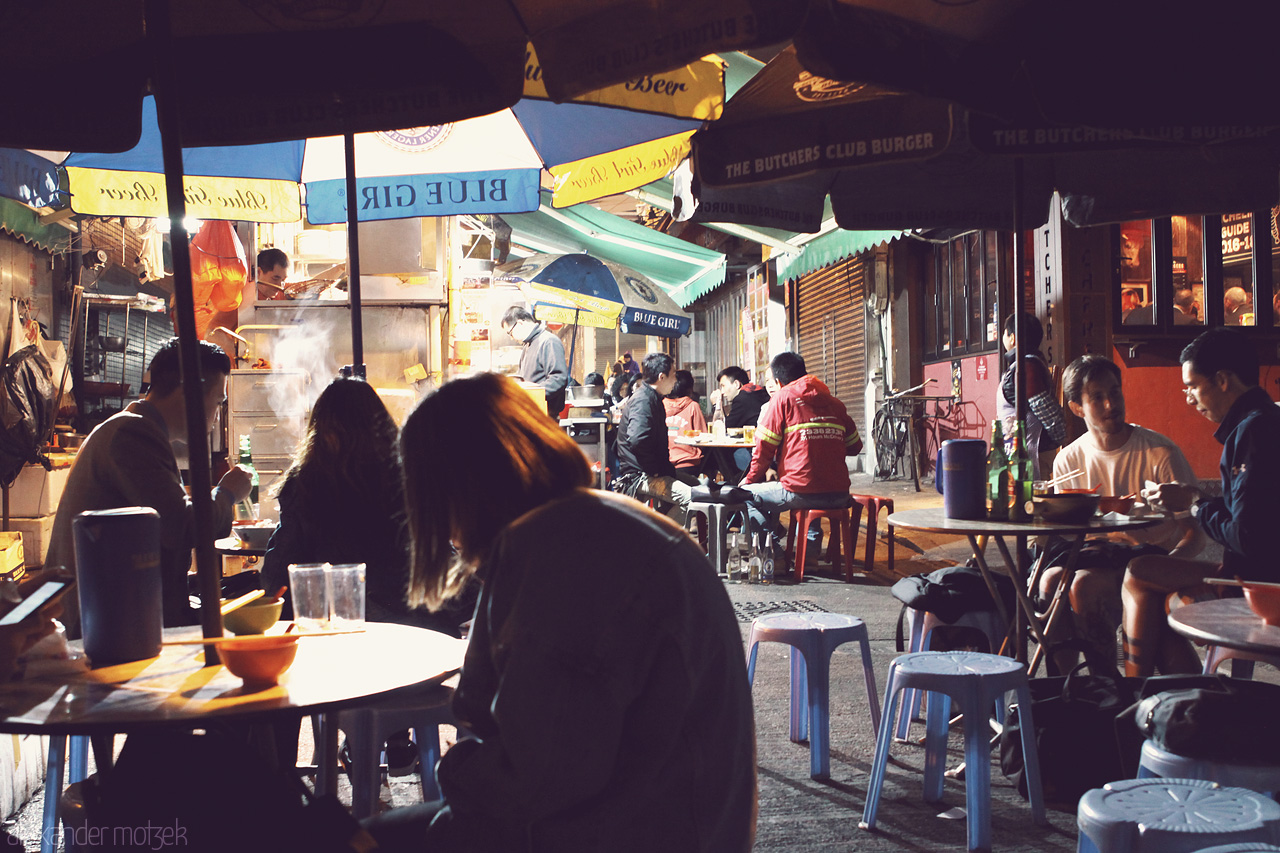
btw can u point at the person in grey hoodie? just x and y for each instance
(543, 359)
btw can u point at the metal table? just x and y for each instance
(935, 520)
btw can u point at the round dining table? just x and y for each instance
(177, 688)
(1227, 623)
(1024, 575)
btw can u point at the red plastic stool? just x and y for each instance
(841, 525)
(873, 504)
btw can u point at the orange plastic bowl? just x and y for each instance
(1264, 600)
(259, 660)
(1112, 504)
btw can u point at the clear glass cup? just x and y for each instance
(309, 589)
(346, 592)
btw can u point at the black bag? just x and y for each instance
(1212, 718)
(1075, 718)
(951, 592)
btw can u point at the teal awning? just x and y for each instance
(679, 267)
(24, 223)
(829, 248)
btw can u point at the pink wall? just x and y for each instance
(972, 417)
(1154, 399)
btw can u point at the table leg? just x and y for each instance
(1020, 592)
(1055, 606)
(985, 571)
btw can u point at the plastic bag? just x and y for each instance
(218, 267)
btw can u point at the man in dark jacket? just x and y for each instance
(1220, 378)
(543, 359)
(742, 402)
(644, 458)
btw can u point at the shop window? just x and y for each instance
(962, 283)
(1198, 271)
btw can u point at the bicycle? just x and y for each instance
(893, 431)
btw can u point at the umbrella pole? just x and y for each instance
(353, 257)
(208, 572)
(1019, 295)
(573, 341)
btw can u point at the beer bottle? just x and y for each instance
(997, 476)
(1021, 478)
(246, 459)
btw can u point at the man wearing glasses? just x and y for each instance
(1220, 379)
(542, 361)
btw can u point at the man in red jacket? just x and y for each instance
(810, 432)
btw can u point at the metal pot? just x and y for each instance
(585, 394)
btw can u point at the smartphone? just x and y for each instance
(46, 592)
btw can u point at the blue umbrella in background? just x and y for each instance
(585, 291)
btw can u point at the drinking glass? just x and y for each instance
(345, 585)
(310, 597)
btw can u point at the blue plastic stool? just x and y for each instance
(1245, 847)
(920, 625)
(77, 768)
(975, 681)
(1157, 762)
(717, 515)
(813, 637)
(1172, 816)
(367, 727)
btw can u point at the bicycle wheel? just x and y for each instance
(885, 438)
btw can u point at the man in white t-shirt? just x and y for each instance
(1120, 457)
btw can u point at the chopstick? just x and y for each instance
(1062, 478)
(237, 603)
(213, 641)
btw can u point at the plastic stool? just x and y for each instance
(813, 637)
(841, 524)
(873, 504)
(1172, 816)
(920, 625)
(718, 514)
(1158, 762)
(77, 768)
(368, 727)
(1244, 847)
(975, 681)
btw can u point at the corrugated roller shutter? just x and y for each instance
(832, 331)
(724, 319)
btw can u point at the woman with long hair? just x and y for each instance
(595, 687)
(341, 499)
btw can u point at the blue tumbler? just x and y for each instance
(961, 477)
(118, 576)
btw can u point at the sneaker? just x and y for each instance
(402, 754)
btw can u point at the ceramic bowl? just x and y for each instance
(1264, 600)
(259, 661)
(254, 534)
(254, 617)
(1066, 508)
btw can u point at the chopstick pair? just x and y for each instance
(1062, 478)
(213, 641)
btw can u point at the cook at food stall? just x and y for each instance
(542, 361)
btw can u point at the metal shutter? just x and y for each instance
(724, 320)
(831, 331)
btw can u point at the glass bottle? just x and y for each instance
(754, 562)
(766, 566)
(1021, 478)
(717, 420)
(997, 475)
(246, 460)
